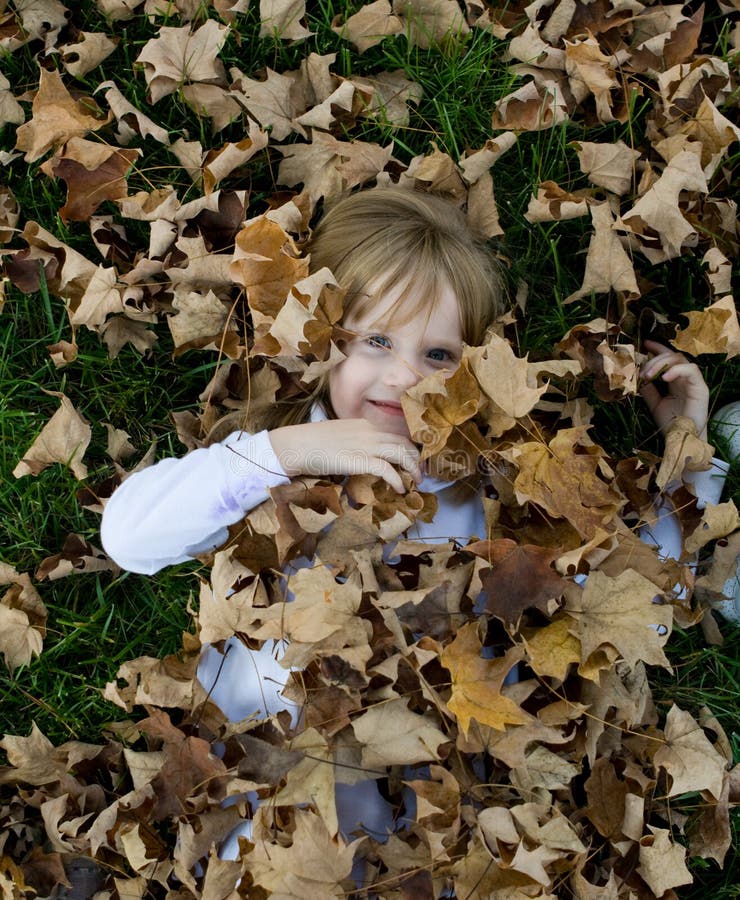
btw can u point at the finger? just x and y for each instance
(662, 363)
(651, 395)
(405, 455)
(385, 470)
(685, 369)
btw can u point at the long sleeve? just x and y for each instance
(178, 508)
(666, 532)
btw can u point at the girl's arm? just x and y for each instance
(179, 508)
(687, 395)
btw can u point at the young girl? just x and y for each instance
(419, 285)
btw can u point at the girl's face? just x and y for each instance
(391, 353)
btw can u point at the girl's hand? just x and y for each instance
(345, 447)
(688, 394)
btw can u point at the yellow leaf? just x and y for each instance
(477, 682)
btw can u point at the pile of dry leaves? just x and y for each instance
(564, 782)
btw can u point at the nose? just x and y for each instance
(399, 373)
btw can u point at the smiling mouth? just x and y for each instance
(388, 406)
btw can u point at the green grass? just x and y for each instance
(96, 621)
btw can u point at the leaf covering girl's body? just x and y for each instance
(419, 286)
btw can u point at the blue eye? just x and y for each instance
(378, 340)
(439, 355)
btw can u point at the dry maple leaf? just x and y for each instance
(64, 438)
(521, 577)
(93, 173)
(611, 166)
(477, 682)
(282, 19)
(565, 478)
(711, 330)
(416, 737)
(662, 862)
(369, 25)
(620, 612)
(431, 22)
(56, 118)
(689, 758)
(179, 56)
(88, 51)
(657, 212)
(608, 266)
(22, 620)
(316, 864)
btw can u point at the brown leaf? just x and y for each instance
(93, 173)
(477, 683)
(57, 117)
(521, 577)
(63, 439)
(563, 478)
(77, 557)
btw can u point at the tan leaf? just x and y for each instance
(657, 212)
(684, 450)
(274, 102)
(9, 214)
(22, 621)
(662, 862)
(530, 108)
(200, 320)
(504, 379)
(620, 612)
(416, 738)
(591, 71)
(477, 683)
(131, 121)
(369, 25)
(553, 204)
(63, 439)
(688, 757)
(390, 94)
(11, 112)
(179, 56)
(608, 266)
(611, 166)
(431, 22)
(717, 521)
(56, 118)
(118, 331)
(101, 298)
(222, 162)
(711, 330)
(317, 864)
(282, 19)
(90, 49)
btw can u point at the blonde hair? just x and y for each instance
(396, 238)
